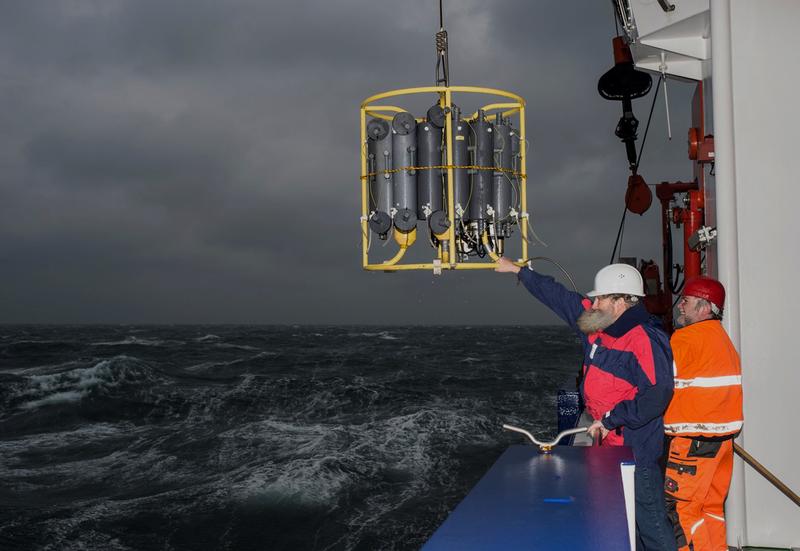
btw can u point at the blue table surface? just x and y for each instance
(569, 499)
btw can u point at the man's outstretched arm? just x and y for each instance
(566, 304)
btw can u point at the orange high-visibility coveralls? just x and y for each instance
(703, 417)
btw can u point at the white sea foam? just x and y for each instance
(237, 346)
(78, 436)
(57, 398)
(208, 366)
(130, 340)
(48, 368)
(74, 384)
(316, 464)
(385, 335)
(306, 466)
(303, 482)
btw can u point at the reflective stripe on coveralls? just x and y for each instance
(696, 484)
(708, 383)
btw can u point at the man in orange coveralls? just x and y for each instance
(704, 416)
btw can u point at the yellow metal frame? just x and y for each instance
(404, 241)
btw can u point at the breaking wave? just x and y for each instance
(74, 384)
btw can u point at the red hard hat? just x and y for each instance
(706, 288)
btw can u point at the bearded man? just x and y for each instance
(627, 378)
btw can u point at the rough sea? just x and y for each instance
(260, 437)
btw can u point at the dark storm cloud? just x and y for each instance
(199, 161)
(134, 152)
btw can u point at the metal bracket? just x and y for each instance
(702, 238)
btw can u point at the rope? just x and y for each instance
(617, 242)
(444, 167)
(646, 128)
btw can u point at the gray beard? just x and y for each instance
(592, 321)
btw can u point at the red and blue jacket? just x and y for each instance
(627, 369)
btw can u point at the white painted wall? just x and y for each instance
(758, 208)
(754, 201)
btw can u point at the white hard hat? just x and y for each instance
(618, 279)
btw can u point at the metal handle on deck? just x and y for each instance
(545, 446)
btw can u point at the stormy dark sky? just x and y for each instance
(198, 161)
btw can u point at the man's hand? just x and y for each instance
(595, 428)
(505, 265)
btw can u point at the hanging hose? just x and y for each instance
(396, 258)
(485, 241)
(559, 266)
(367, 235)
(675, 286)
(538, 239)
(405, 240)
